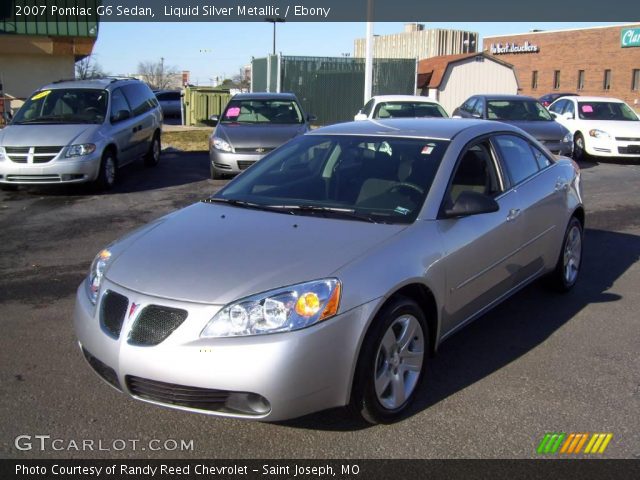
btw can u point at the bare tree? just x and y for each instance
(157, 74)
(88, 67)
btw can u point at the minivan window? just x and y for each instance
(262, 111)
(64, 105)
(118, 102)
(139, 97)
(382, 180)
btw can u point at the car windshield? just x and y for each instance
(408, 110)
(523, 110)
(262, 111)
(606, 111)
(374, 179)
(69, 105)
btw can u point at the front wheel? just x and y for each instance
(579, 149)
(392, 362)
(108, 172)
(567, 270)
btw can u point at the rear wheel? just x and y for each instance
(152, 157)
(108, 171)
(567, 270)
(392, 362)
(579, 152)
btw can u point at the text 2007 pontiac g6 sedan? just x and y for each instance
(327, 273)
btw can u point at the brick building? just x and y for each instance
(601, 61)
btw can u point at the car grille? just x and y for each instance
(32, 154)
(33, 178)
(192, 397)
(628, 139)
(112, 311)
(105, 371)
(155, 324)
(244, 164)
(260, 150)
(631, 149)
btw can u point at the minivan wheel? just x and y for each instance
(152, 157)
(108, 171)
(392, 362)
(567, 270)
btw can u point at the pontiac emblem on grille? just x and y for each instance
(260, 149)
(132, 309)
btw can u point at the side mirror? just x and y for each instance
(568, 115)
(214, 118)
(311, 118)
(360, 116)
(476, 115)
(120, 115)
(471, 203)
(553, 115)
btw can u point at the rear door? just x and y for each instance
(122, 130)
(482, 250)
(142, 101)
(542, 190)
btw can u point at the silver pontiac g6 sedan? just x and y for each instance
(329, 272)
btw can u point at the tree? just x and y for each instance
(157, 74)
(88, 67)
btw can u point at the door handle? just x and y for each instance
(513, 214)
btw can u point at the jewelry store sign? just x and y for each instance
(630, 37)
(500, 49)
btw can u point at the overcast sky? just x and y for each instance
(212, 50)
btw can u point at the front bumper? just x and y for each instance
(232, 163)
(559, 148)
(613, 147)
(293, 373)
(84, 169)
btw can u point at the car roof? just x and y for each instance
(264, 96)
(597, 99)
(405, 98)
(99, 83)
(506, 97)
(436, 128)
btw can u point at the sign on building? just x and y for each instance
(630, 37)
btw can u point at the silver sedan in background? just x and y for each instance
(328, 274)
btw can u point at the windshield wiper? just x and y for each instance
(327, 211)
(243, 204)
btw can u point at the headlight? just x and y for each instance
(96, 274)
(281, 310)
(598, 133)
(80, 150)
(220, 144)
(3, 154)
(568, 138)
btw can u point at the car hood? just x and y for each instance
(618, 128)
(41, 135)
(213, 253)
(542, 130)
(241, 135)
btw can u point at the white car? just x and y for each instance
(602, 127)
(400, 106)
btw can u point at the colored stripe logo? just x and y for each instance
(573, 443)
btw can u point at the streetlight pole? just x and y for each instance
(274, 20)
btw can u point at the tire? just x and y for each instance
(567, 270)
(579, 152)
(391, 366)
(152, 157)
(108, 171)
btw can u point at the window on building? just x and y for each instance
(556, 79)
(606, 85)
(580, 79)
(635, 80)
(534, 80)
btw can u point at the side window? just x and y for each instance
(139, 98)
(367, 108)
(478, 108)
(517, 157)
(118, 102)
(542, 160)
(570, 108)
(558, 106)
(469, 104)
(475, 172)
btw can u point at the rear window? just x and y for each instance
(408, 110)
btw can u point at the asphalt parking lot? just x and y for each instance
(538, 363)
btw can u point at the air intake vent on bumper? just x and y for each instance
(112, 311)
(155, 324)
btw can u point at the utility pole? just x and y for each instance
(274, 20)
(368, 62)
